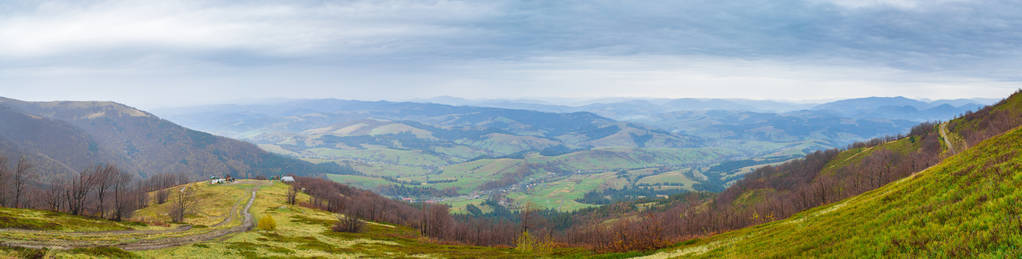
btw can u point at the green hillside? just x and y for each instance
(966, 206)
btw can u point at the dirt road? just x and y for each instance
(947, 142)
(132, 236)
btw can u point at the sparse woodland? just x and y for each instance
(102, 191)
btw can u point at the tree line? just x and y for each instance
(102, 191)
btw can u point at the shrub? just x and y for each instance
(267, 223)
(528, 244)
(349, 224)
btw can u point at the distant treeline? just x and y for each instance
(405, 191)
(611, 195)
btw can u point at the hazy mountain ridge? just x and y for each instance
(448, 123)
(69, 136)
(836, 123)
(396, 143)
(470, 149)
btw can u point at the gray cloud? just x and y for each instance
(124, 50)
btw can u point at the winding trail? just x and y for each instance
(133, 242)
(246, 225)
(943, 135)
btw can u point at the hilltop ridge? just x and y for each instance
(63, 137)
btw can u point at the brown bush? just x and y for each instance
(348, 224)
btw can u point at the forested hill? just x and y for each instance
(965, 206)
(64, 137)
(778, 192)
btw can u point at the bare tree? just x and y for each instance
(105, 176)
(77, 189)
(122, 200)
(526, 213)
(140, 196)
(182, 203)
(292, 194)
(3, 180)
(53, 198)
(21, 175)
(161, 196)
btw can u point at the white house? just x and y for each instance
(287, 179)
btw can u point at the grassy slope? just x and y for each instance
(301, 232)
(48, 220)
(968, 205)
(304, 232)
(214, 203)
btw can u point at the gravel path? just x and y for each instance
(146, 244)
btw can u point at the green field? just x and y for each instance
(561, 195)
(358, 180)
(594, 169)
(380, 154)
(673, 177)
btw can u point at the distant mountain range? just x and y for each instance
(563, 151)
(488, 131)
(835, 123)
(522, 148)
(65, 137)
(466, 150)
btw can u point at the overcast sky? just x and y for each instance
(154, 54)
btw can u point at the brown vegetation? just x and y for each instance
(101, 191)
(432, 220)
(292, 194)
(181, 204)
(348, 224)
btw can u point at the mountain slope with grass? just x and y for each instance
(64, 137)
(965, 206)
(783, 190)
(826, 177)
(298, 231)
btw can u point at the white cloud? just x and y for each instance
(707, 76)
(899, 4)
(273, 29)
(193, 52)
(570, 76)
